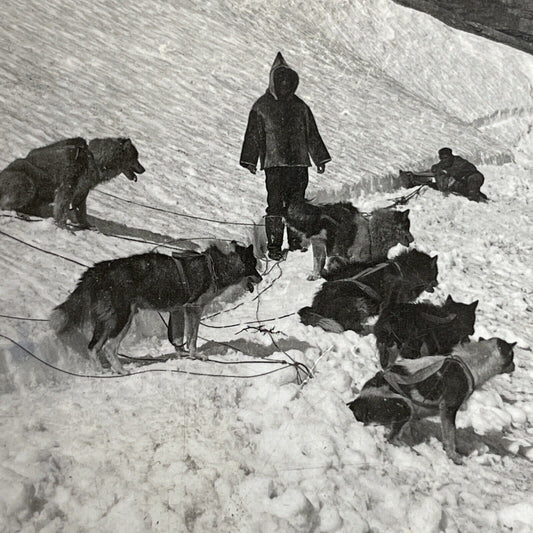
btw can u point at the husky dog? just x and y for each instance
(345, 303)
(109, 293)
(416, 330)
(409, 179)
(63, 174)
(432, 385)
(340, 233)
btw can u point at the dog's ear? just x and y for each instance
(513, 344)
(405, 214)
(449, 300)
(481, 339)
(126, 143)
(434, 260)
(473, 305)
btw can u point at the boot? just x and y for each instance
(274, 227)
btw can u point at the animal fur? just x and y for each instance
(421, 329)
(63, 173)
(110, 293)
(410, 179)
(346, 303)
(431, 385)
(339, 232)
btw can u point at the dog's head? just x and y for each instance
(403, 234)
(502, 354)
(487, 358)
(465, 317)
(130, 160)
(249, 264)
(406, 179)
(114, 156)
(418, 272)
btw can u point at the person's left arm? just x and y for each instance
(317, 149)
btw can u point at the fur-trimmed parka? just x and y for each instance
(281, 130)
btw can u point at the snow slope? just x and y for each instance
(163, 451)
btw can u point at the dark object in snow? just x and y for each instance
(346, 303)
(341, 234)
(505, 21)
(431, 385)
(283, 135)
(109, 294)
(63, 173)
(416, 330)
(452, 174)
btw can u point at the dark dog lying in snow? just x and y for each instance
(346, 303)
(431, 385)
(340, 233)
(417, 330)
(63, 173)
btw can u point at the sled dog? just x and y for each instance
(418, 388)
(63, 173)
(421, 329)
(339, 232)
(109, 294)
(346, 303)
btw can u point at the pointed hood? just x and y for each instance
(281, 69)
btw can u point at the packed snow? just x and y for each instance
(162, 450)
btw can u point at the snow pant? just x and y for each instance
(285, 185)
(470, 186)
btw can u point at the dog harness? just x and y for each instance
(369, 291)
(182, 275)
(178, 258)
(426, 370)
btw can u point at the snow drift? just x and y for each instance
(180, 452)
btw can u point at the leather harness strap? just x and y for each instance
(183, 277)
(468, 372)
(211, 268)
(395, 383)
(369, 291)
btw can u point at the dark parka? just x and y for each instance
(458, 169)
(466, 178)
(282, 132)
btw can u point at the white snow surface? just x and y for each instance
(167, 451)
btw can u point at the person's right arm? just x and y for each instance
(250, 145)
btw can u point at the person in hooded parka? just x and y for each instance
(283, 135)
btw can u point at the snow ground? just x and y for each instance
(163, 451)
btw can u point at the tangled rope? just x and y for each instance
(402, 200)
(300, 367)
(152, 370)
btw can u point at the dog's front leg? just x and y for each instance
(447, 420)
(62, 201)
(80, 213)
(176, 329)
(193, 314)
(387, 354)
(319, 258)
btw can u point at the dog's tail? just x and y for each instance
(73, 312)
(310, 318)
